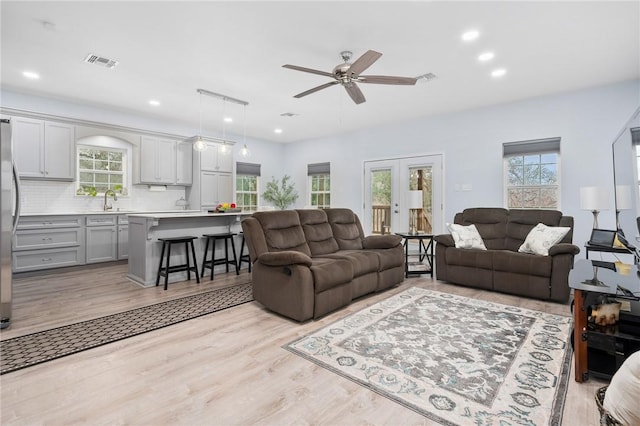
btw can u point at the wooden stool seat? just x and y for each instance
(211, 264)
(166, 245)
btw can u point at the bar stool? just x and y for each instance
(243, 257)
(166, 244)
(222, 261)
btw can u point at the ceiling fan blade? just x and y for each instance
(309, 70)
(315, 89)
(364, 61)
(356, 94)
(387, 79)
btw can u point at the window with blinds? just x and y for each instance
(247, 184)
(319, 184)
(531, 173)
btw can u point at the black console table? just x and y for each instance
(425, 251)
(601, 350)
(617, 250)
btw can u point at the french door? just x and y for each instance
(403, 194)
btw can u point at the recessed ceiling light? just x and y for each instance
(498, 72)
(154, 102)
(486, 56)
(31, 75)
(278, 131)
(470, 35)
(228, 119)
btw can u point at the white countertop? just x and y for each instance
(186, 214)
(117, 212)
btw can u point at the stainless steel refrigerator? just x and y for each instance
(9, 213)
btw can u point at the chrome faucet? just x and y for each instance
(108, 206)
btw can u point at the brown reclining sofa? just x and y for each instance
(501, 267)
(307, 263)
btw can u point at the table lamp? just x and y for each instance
(592, 198)
(415, 203)
(623, 201)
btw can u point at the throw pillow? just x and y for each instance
(466, 237)
(621, 397)
(541, 238)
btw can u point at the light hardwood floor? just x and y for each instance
(225, 368)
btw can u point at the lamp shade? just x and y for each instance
(623, 197)
(592, 198)
(415, 199)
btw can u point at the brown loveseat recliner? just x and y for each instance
(501, 267)
(307, 263)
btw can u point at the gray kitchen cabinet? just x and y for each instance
(157, 161)
(45, 242)
(102, 238)
(214, 159)
(123, 237)
(184, 163)
(44, 149)
(215, 188)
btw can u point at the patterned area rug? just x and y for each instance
(455, 360)
(32, 349)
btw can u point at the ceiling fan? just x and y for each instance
(348, 74)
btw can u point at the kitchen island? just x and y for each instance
(145, 249)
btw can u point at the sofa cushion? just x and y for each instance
(541, 238)
(522, 263)
(346, 227)
(466, 237)
(363, 261)
(317, 231)
(329, 273)
(490, 222)
(472, 258)
(283, 231)
(522, 221)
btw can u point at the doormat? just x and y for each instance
(31, 349)
(455, 360)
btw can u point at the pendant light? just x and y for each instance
(244, 152)
(224, 149)
(200, 145)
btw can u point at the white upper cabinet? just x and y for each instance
(157, 160)
(215, 159)
(165, 161)
(43, 149)
(184, 171)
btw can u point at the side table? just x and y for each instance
(591, 278)
(425, 251)
(617, 250)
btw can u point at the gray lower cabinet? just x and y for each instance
(123, 237)
(44, 242)
(102, 238)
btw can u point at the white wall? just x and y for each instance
(587, 122)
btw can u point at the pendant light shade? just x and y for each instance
(244, 152)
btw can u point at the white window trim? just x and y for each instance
(505, 181)
(310, 192)
(108, 142)
(257, 191)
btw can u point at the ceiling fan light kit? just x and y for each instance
(348, 74)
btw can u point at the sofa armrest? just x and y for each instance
(284, 258)
(445, 240)
(381, 241)
(564, 248)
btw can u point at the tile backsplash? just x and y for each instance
(59, 197)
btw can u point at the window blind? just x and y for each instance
(635, 136)
(318, 169)
(251, 169)
(531, 147)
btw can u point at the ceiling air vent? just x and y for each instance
(426, 77)
(99, 60)
(288, 114)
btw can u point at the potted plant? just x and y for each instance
(281, 194)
